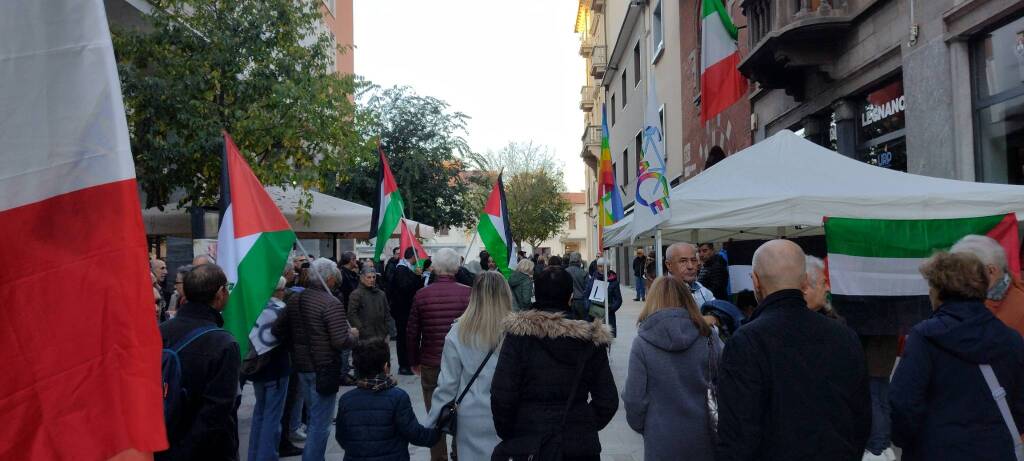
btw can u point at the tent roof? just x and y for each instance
(327, 215)
(784, 185)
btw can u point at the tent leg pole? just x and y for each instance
(659, 262)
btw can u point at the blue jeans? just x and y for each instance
(881, 426)
(321, 416)
(295, 417)
(345, 364)
(266, 419)
(641, 290)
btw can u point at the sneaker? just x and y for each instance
(298, 435)
(636, 299)
(405, 372)
(286, 450)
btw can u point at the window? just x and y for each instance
(658, 30)
(572, 221)
(443, 231)
(613, 110)
(998, 61)
(625, 167)
(638, 147)
(664, 137)
(636, 64)
(624, 98)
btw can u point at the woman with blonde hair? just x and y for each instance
(472, 344)
(521, 283)
(673, 359)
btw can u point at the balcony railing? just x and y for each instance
(766, 16)
(587, 97)
(598, 62)
(586, 46)
(592, 136)
(597, 5)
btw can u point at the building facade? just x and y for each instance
(659, 39)
(930, 87)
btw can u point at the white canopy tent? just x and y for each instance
(784, 185)
(328, 216)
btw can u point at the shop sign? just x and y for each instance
(883, 104)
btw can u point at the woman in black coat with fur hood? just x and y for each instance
(543, 358)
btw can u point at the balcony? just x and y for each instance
(597, 6)
(598, 62)
(588, 95)
(591, 145)
(586, 46)
(790, 38)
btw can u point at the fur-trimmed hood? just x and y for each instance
(545, 324)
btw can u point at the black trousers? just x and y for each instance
(401, 322)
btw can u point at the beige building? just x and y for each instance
(575, 235)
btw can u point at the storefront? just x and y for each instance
(998, 99)
(881, 135)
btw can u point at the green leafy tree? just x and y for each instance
(256, 68)
(533, 187)
(424, 144)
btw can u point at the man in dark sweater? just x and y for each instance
(401, 290)
(208, 426)
(714, 271)
(639, 268)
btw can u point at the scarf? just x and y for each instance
(998, 292)
(381, 382)
(406, 263)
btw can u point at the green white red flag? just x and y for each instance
(721, 83)
(873, 264)
(495, 230)
(388, 210)
(252, 246)
(80, 348)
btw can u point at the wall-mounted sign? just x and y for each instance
(883, 111)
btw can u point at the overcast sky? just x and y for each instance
(513, 66)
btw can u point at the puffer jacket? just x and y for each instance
(315, 324)
(942, 409)
(434, 308)
(379, 426)
(522, 290)
(368, 312)
(534, 377)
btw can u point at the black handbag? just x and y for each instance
(328, 375)
(448, 418)
(542, 447)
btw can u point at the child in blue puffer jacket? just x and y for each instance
(375, 420)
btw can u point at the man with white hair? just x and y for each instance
(683, 263)
(314, 321)
(1005, 290)
(792, 384)
(434, 309)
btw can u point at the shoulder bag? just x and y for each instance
(711, 395)
(328, 375)
(542, 447)
(447, 419)
(999, 394)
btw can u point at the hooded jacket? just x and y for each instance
(534, 377)
(368, 312)
(665, 389)
(522, 290)
(942, 408)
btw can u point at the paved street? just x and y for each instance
(619, 442)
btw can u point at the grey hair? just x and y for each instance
(525, 266)
(602, 262)
(184, 269)
(281, 282)
(445, 262)
(814, 267)
(325, 268)
(989, 251)
(575, 258)
(672, 248)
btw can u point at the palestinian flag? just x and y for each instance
(252, 245)
(389, 208)
(721, 83)
(408, 239)
(495, 230)
(873, 265)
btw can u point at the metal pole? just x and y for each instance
(318, 276)
(470, 246)
(658, 259)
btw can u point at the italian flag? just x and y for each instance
(252, 246)
(721, 83)
(495, 230)
(79, 346)
(873, 265)
(389, 209)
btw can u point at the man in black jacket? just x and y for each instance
(639, 268)
(400, 291)
(714, 271)
(792, 384)
(208, 427)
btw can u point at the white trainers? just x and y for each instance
(298, 435)
(887, 455)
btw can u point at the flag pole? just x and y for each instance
(318, 276)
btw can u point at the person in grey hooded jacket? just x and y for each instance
(666, 385)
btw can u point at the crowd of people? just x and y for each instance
(516, 366)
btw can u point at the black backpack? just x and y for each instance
(174, 393)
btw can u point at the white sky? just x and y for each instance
(513, 66)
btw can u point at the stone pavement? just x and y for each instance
(618, 441)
